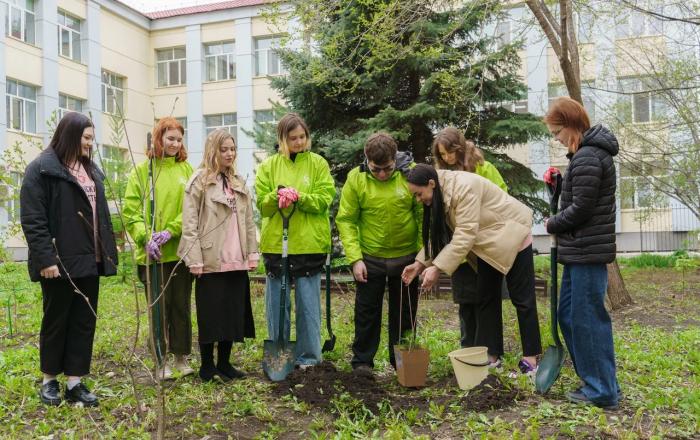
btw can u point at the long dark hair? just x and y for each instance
(67, 139)
(436, 233)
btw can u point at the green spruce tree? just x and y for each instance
(409, 67)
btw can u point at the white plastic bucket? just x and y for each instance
(471, 366)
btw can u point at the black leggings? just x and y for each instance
(521, 285)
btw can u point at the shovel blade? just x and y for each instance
(549, 368)
(328, 345)
(278, 359)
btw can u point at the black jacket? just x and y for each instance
(585, 224)
(54, 207)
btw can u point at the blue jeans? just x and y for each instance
(307, 304)
(587, 330)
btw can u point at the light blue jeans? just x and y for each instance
(307, 304)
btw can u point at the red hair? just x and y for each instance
(159, 130)
(572, 118)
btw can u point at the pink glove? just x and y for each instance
(548, 175)
(162, 237)
(286, 196)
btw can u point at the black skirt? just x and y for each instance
(224, 312)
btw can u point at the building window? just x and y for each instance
(112, 93)
(639, 103)
(502, 35)
(556, 90)
(267, 60)
(585, 21)
(632, 23)
(21, 106)
(265, 117)
(11, 195)
(171, 65)
(183, 122)
(113, 161)
(636, 191)
(19, 19)
(227, 121)
(220, 59)
(68, 104)
(68, 36)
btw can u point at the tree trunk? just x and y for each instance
(617, 296)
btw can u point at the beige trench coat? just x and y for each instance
(486, 222)
(205, 220)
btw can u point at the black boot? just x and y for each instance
(207, 370)
(223, 364)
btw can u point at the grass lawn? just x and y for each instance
(657, 342)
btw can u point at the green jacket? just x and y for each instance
(488, 171)
(309, 229)
(170, 177)
(376, 218)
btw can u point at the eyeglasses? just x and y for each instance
(387, 169)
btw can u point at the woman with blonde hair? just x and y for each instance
(585, 231)
(166, 170)
(219, 246)
(295, 176)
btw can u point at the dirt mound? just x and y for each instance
(318, 385)
(489, 395)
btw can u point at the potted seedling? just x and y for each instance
(411, 359)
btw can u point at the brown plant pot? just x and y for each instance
(411, 365)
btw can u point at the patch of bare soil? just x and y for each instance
(318, 385)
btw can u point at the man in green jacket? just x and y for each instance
(379, 223)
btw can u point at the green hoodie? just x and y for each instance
(488, 171)
(309, 229)
(376, 218)
(171, 177)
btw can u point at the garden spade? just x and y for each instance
(553, 359)
(278, 353)
(329, 343)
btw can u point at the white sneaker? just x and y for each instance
(182, 366)
(164, 373)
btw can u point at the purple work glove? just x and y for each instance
(153, 250)
(157, 240)
(162, 237)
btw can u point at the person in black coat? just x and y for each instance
(585, 231)
(65, 219)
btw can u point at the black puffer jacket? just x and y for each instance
(53, 206)
(585, 225)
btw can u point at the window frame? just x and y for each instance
(11, 204)
(209, 128)
(640, 90)
(634, 178)
(229, 60)
(69, 105)
(75, 54)
(24, 14)
(116, 85)
(25, 104)
(269, 52)
(166, 65)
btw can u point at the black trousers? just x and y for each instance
(68, 325)
(521, 285)
(382, 273)
(176, 305)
